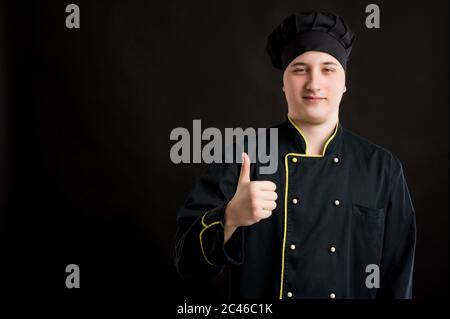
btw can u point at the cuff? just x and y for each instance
(212, 240)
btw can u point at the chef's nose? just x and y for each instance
(313, 82)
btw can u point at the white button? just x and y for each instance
(336, 160)
(292, 247)
(332, 249)
(289, 294)
(332, 295)
(294, 160)
(336, 202)
(294, 201)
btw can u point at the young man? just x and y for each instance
(336, 219)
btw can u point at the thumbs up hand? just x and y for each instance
(252, 202)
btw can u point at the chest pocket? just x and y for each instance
(368, 227)
(367, 214)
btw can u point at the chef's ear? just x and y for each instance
(345, 89)
(283, 88)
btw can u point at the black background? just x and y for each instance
(86, 114)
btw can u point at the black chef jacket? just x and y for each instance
(336, 214)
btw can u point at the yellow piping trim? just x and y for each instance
(285, 225)
(201, 234)
(203, 219)
(286, 167)
(306, 142)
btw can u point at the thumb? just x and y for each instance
(244, 176)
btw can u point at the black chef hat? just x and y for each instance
(310, 31)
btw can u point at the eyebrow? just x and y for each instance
(305, 64)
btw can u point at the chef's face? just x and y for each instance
(314, 83)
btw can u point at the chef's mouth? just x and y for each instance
(314, 98)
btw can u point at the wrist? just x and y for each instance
(227, 220)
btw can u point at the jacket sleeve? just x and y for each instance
(397, 261)
(199, 239)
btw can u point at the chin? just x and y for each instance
(311, 113)
(316, 120)
(315, 116)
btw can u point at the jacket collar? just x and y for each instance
(301, 143)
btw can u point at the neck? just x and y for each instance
(315, 135)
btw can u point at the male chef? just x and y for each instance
(334, 221)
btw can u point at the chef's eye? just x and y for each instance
(329, 70)
(299, 70)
